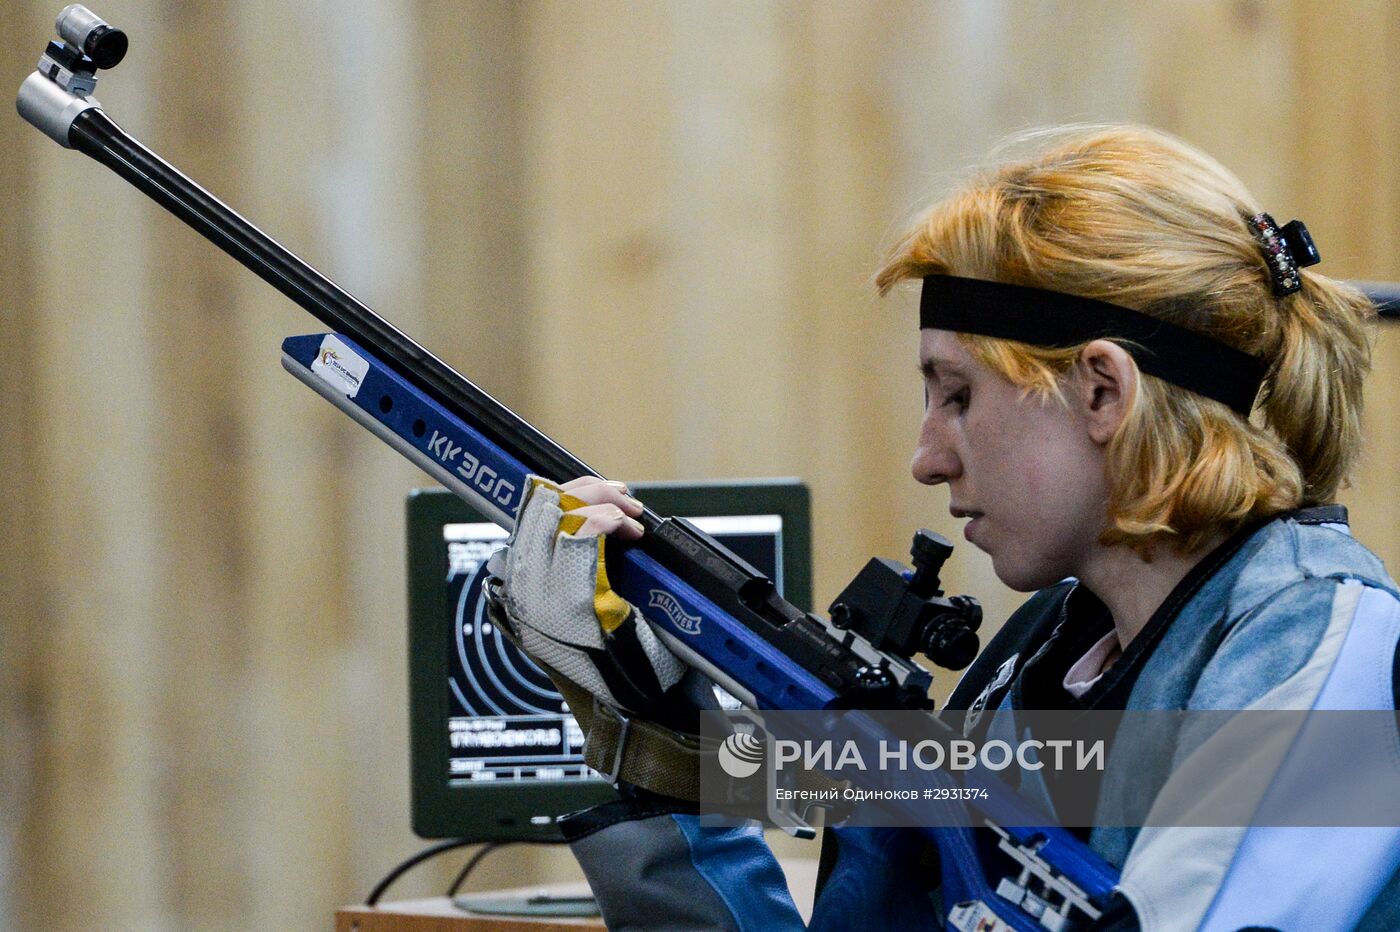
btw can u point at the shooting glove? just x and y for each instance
(636, 702)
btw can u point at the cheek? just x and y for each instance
(1046, 483)
(1027, 458)
(1063, 473)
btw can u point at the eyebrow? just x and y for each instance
(931, 367)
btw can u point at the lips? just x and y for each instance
(958, 511)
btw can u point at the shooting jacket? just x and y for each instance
(1293, 614)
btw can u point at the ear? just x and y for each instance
(1107, 383)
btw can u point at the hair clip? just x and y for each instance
(1286, 250)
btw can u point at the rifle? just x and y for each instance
(716, 612)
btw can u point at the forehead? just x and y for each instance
(941, 350)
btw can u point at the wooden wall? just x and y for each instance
(648, 226)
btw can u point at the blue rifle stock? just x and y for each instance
(715, 611)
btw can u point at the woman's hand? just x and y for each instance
(552, 583)
(606, 508)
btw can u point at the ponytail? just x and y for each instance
(1312, 396)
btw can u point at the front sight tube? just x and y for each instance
(60, 89)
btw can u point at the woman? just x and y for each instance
(1098, 322)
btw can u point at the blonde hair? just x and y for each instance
(1138, 218)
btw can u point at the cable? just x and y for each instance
(434, 850)
(417, 859)
(476, 858)
(472, 863)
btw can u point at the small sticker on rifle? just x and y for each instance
(338, 365)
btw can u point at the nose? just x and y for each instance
(935, 461)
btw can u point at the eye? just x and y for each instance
(958, 400)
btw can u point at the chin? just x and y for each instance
(1025, 575)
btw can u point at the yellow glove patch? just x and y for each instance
(612, 610)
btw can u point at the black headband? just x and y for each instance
(1174, 354)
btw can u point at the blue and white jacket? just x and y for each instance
(1294, 614)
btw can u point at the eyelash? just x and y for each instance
(961, 397)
